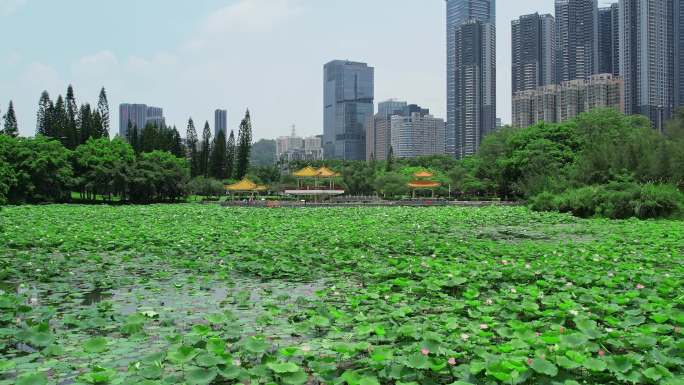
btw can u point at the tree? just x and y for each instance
(43, 115)
(85, 124)
(10, 126)
(191, 137)
(103, 110)
(244, 146)
(102, 167)
(41, 169)
(72, 134)
(58, 121)
(158, 176)
(230, 156)
(390, 159)
(177, 147)
(205, 150)
(391, 185)
(217, 163)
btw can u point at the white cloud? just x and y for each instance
(38, 77)
(251, 15)
(8, 7)
(244, 16)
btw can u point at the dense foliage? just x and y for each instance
(203, 295)
(35, 170)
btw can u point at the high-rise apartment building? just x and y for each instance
(139, 115)
(417, 135)
(348, 103)
(678, 16)
(220, 122)
(558, 103)
(534, 52)
(647, 58)
(609, 41)
(471, 74)
(294, 147)
(379, 126)
(576, 39)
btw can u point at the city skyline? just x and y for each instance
(176, 72)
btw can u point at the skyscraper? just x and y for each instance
(471, 74)
(348, 103)
(608, 44)
(577, 39)
(139, 115)
(220, 122)
(534, 52)
(678, 16)
(647, 58)
(418, 134)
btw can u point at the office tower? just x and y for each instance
(647, 58)
(471, 74)
(220, 122)
(558, 103)
(417, 135)
(534, 52)
(678, 8)
(576, 39)
(139, 115)
(378, 137)
(392, 107)
(348, 103)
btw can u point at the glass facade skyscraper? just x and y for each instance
(534, 52)
(577, 39)
(139, 116)
(647, 58)
(348, 104)
(471, 74)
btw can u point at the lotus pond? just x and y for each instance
(207, 295)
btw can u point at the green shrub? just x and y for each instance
(658, 201)
(545, 201)
(615, 200)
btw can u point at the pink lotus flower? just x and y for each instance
(561, 330)
(424, 351)
(601, 353)
(452, 361)
(484, 326)
(529, 361)
(538, 334)
(640, 287)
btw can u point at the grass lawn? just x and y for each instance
(200, 294)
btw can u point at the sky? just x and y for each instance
(191, 57)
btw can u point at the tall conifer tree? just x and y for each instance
(73, 139)
(244, 146)
(206, 150)
(103, 111)
(43, 115)
(217, 163)
(10, 126)
(191, 138)
(230, 156)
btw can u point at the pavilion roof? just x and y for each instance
(423, 174)
(243, 185)
(325, 172)
(417, 184)
(306, 172)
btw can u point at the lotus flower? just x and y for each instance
(640, 287)
(484, 326)
(452, 361)
(601, 353)
(424, 351)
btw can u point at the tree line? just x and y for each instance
(72, 157)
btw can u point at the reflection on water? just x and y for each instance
(96, 296)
